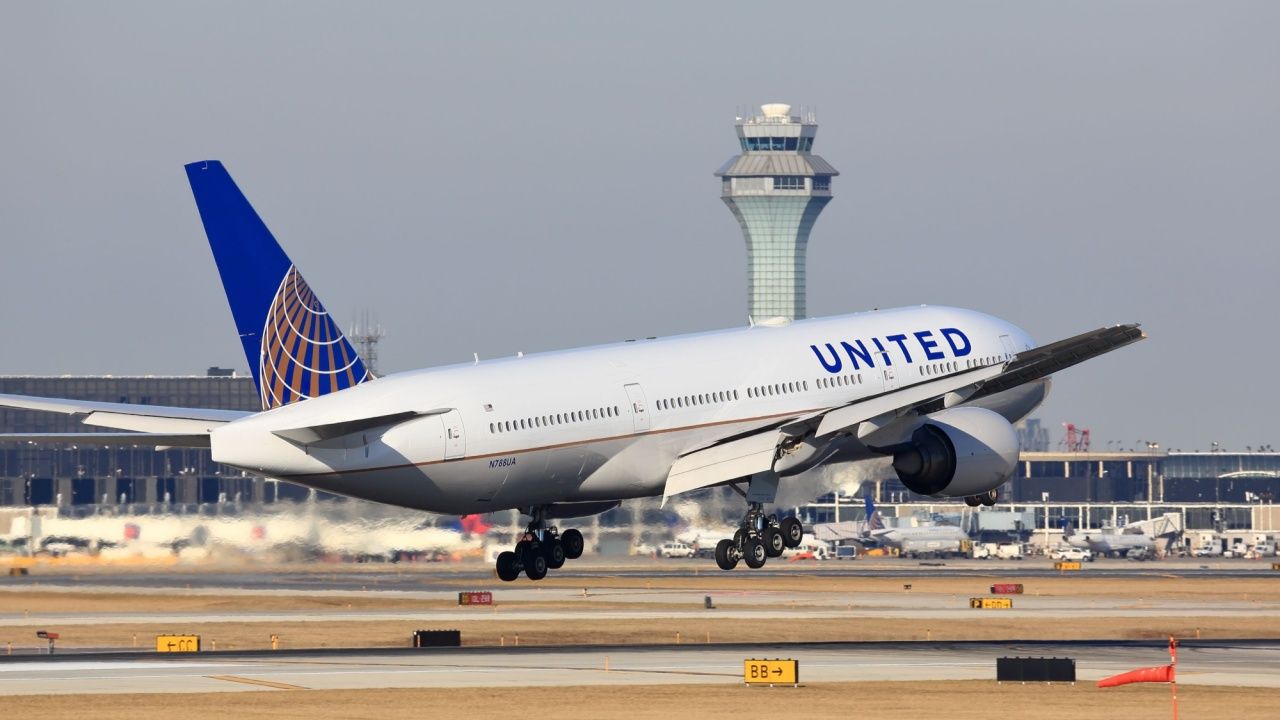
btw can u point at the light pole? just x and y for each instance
(1044, 497)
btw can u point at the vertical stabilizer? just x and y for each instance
(294, 349)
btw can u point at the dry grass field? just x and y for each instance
(972, 700)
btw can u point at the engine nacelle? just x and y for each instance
(957, 453)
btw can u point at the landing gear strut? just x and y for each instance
(541, 548)
(759, 538)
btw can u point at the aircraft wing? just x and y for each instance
(144, 419)
(741, 456)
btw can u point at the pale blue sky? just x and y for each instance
(500, 177)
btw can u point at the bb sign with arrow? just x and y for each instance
(771, 672)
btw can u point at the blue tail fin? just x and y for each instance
(873, 518)
(295, 350)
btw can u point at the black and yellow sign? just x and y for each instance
(1067, 565)
(177, 643)
(980, 603)
(771, 672)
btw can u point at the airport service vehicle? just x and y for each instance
(675, 550)
(1071, 553)
(571, 434)
(999, 551)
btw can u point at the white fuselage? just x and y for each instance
(606, 423)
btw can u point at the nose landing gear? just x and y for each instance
(540, 549)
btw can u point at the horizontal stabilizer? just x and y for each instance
(329, 431)
(158, 440)
(86, 407)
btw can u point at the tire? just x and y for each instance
(972, 501)
(508, 569)
(754, 553)
(572, 542)
(792, 532)
(536, 566)
(989, 499)
(774, 543)
(725, 557)
(554, 553)
(740, 538)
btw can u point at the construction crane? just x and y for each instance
(1077, 439)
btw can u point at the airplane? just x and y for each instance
(913, 540)
(1111, 544)
(570, 434)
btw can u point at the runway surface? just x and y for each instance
(1242, 663)
(471, 575)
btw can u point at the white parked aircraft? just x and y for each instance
(1110, 542)
(921, 539)
(572, 433)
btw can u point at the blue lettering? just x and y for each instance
(858, 352)
(902, 343)
(951, 334)
(888, 362)
(835, 364)
(924, 336)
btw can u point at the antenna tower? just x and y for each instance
(366, 334)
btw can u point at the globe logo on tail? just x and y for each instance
(304, 354)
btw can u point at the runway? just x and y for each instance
(1240, 663)
(472, 575)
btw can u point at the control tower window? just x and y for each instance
(806, 144)
(788, 182)
(792, 143)
(822, 183)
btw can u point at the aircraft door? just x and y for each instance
(1007, 343)
(890, 379)
(455, 442)
(639, 413)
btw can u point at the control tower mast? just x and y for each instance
(776, 188)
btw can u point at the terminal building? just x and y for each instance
(776, 188)
(76, 475)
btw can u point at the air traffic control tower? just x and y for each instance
(775, 189)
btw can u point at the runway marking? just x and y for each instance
(251, 681)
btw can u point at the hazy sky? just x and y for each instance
(494, 178)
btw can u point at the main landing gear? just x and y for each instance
(987, 498)
(540, 549)
(759, 538)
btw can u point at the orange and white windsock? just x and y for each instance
(1158, 674)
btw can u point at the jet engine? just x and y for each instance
(958, 452)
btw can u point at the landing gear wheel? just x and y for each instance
(554, 553)
(792, 532)
(508, 569)
(535, 563)
(571, 540)
(726, 557)
(754, 553)
(972, 500)
(774, 543)
(740, 538)
(990, 497)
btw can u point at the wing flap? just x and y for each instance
(721, 463)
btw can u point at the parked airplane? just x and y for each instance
(1112, 543)
(572, 433)
(922, 539)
